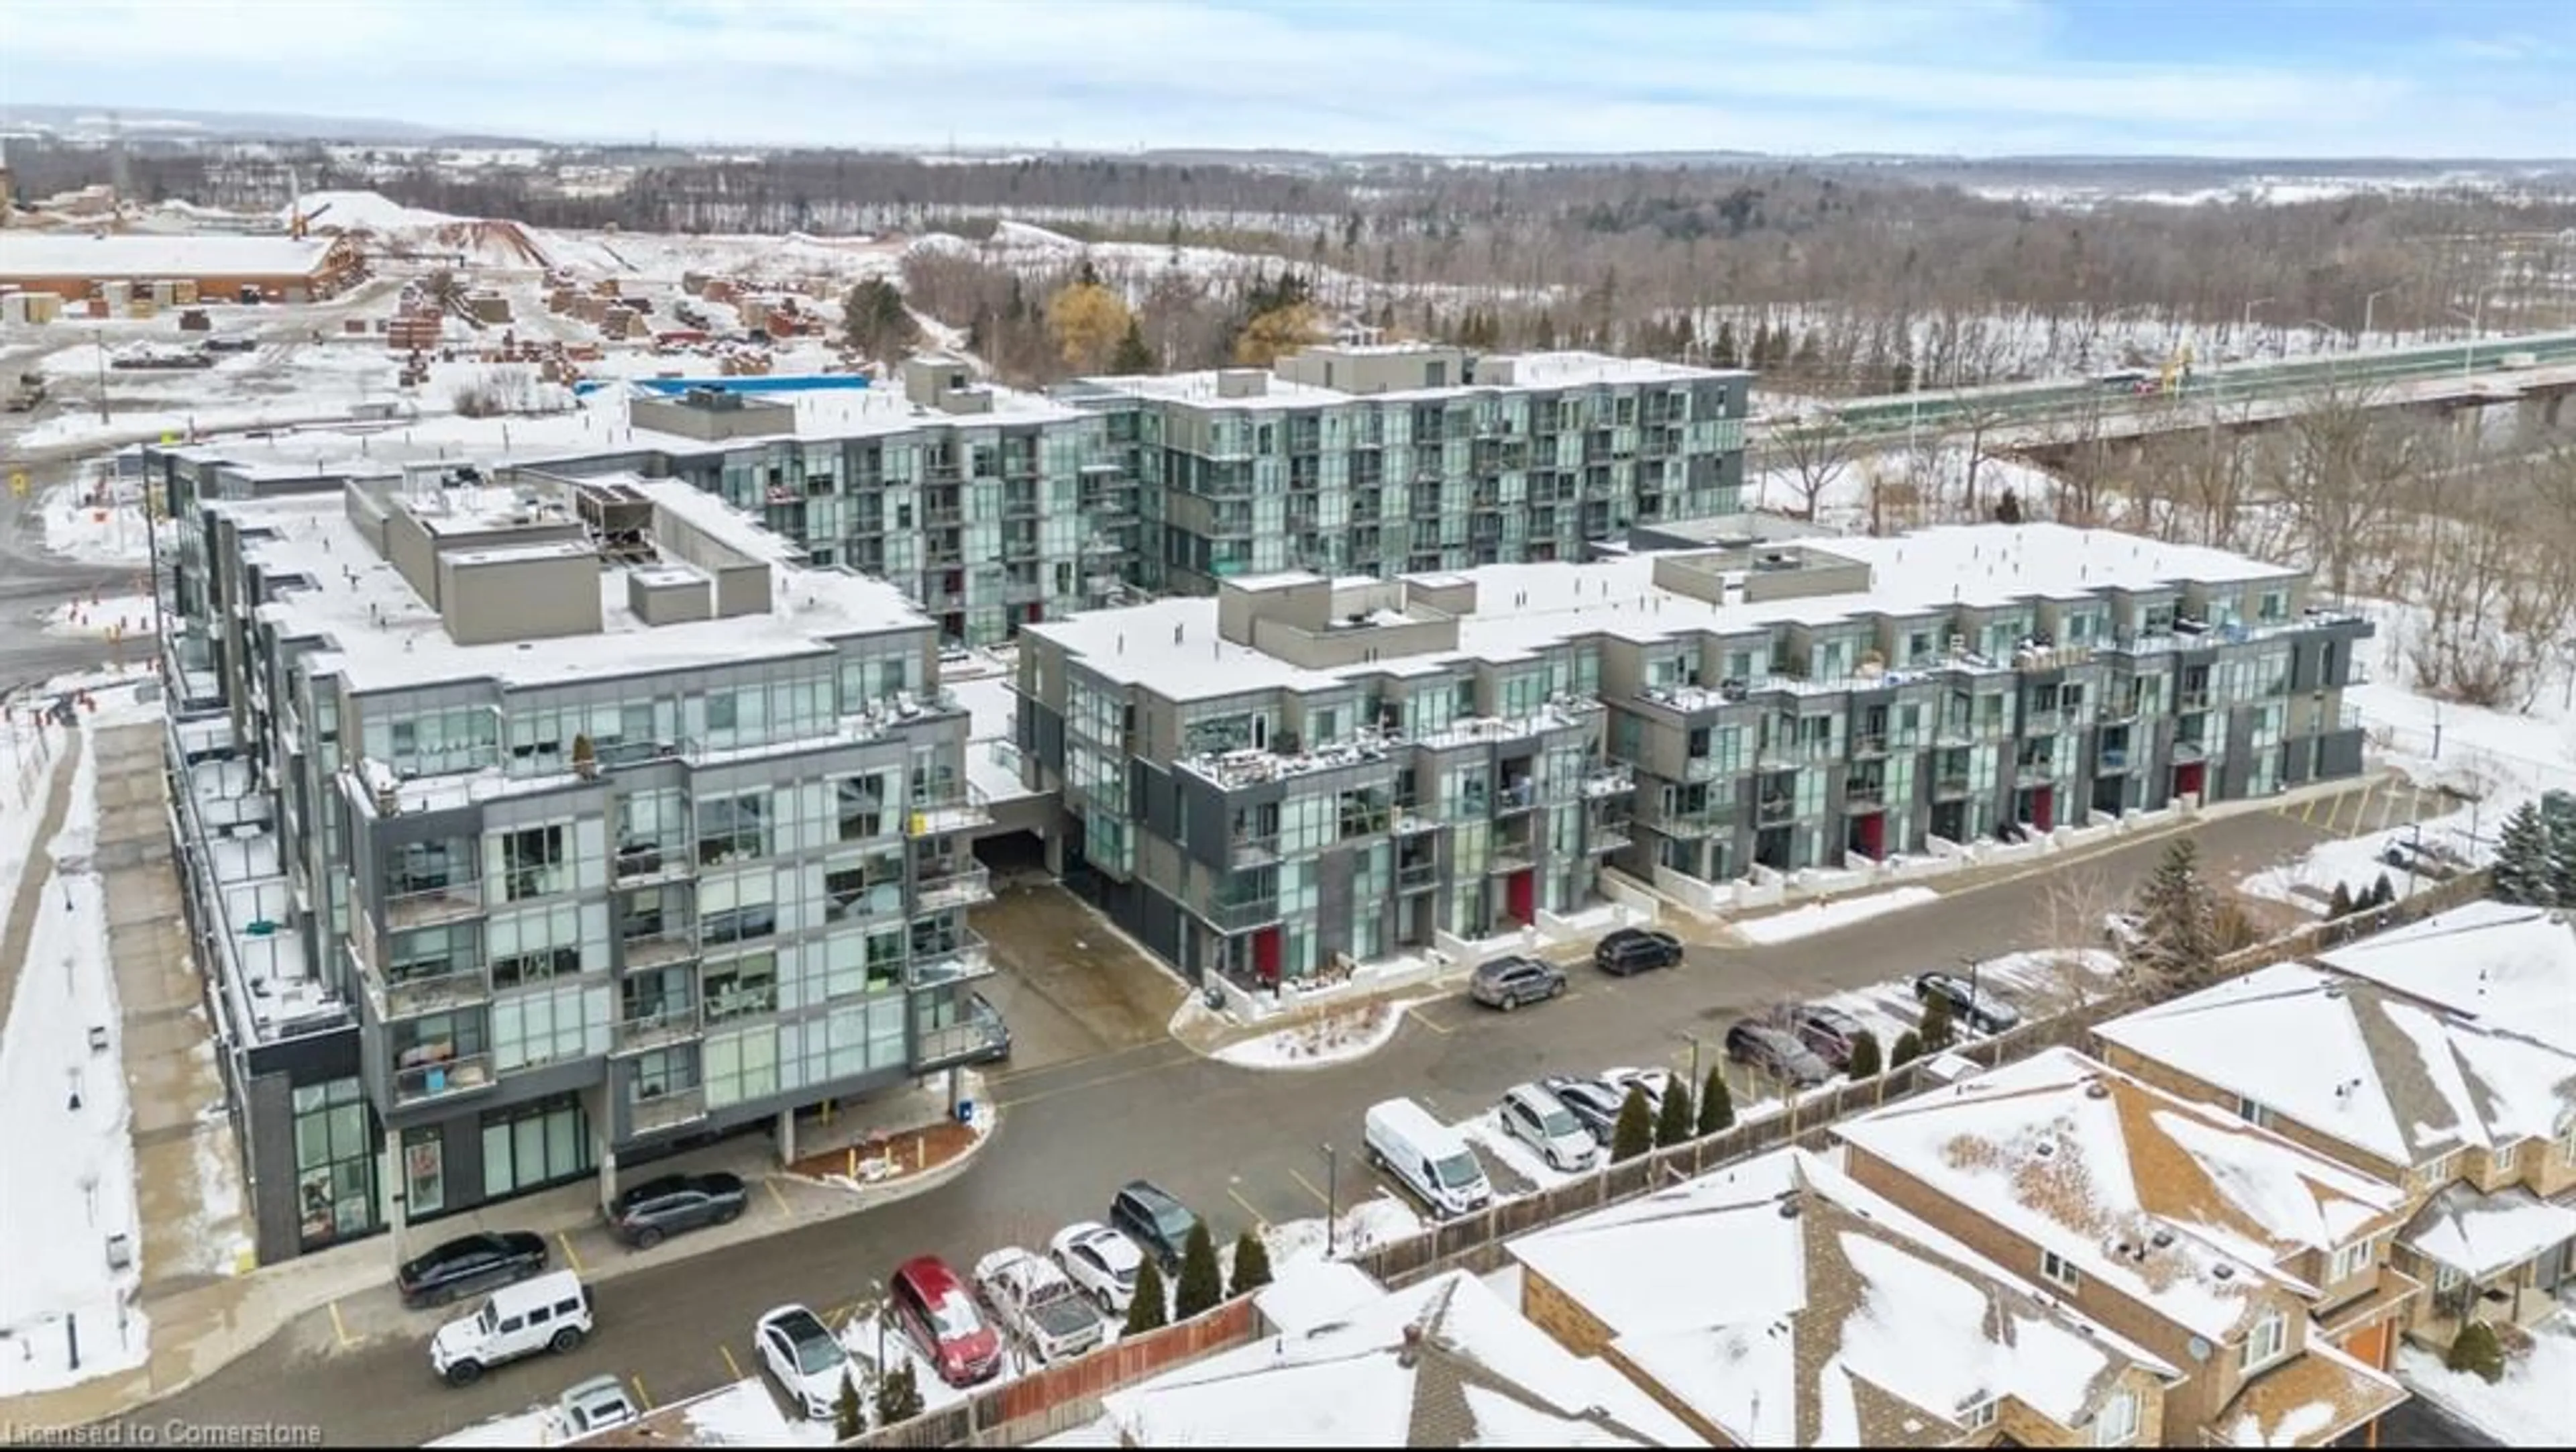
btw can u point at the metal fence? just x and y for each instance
(1475, 1243)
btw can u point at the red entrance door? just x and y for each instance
(1520, 895)
(1265, 955)
(1869, 836)
(2188, 777)
(2043, 808)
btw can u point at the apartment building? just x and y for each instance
(2210, 1241)
(2436, 1060)
(1404, 458)
(1305, 770)
(538, 825)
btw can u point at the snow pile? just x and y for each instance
(1333, 1038)
(1486, 1133)
(745, 1415)
(94, 533)
(63, 1096)
(116, 617)
(539, 1426)
(1824, 917)
(2528, 1408)
(1379, 1220)
(362, 211)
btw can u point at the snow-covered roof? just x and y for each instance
(1726, 1288)
(154, 256)
(2312, 1400)
(2403, 1082)
(2178, 1205)
(386, 636)
(1172, 645)
(1563, 368)
(2479, 1234)
(1312, 1291)
(1442, 1364)
(2512, 967)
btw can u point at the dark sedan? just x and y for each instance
(1634, 950)
(642, 1216)
(469, 1266)
(1970, 1003)
(1775, 1051)
(1828, 1032)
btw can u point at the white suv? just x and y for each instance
(1101, 1261)
(1535, 1117)
(548, 1313)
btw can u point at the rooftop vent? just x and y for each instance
(2045, 1149)
(2096, 1089)
(2161, 1239)
(1789, 1205)
(2223, 1271)
(1412, 1349)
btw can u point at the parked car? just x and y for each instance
(1160, 1225)
(1509, 982)
(1037, 1303)
(1541, 1121)
(1426, 1157)
(548, 1313)
(643, 1215)
(1972, 1004)
(596, 1405)
(1099, 1260)
(1776, 1052)
(1634, 950)
(1654, 1081)
(808, 1360)
(470, 1265)
(932, 1307)
(1592, 1102)
(1828, 1032)
(2425, 859)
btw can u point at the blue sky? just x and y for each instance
(2216, 77)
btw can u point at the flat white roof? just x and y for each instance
(146, 256)
(1561, 369)
(388, 637)
(1172, 645)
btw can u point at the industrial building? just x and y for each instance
(75, 265)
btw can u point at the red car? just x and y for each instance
(935, 1309)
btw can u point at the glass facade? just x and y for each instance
(336, 1149)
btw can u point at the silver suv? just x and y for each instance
(1509, 982)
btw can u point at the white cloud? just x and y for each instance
(1962, 76)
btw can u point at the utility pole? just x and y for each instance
(1332, 1196)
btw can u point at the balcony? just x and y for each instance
(446, 1079)
(2113, 761)
(1252, 849)
(429, 906)
(1414, 818)
(1609, 781)
(1416, 876)
(657, 1030)
(960, 1043)
(659, 949)
(1608, 835)
(966, 962)
(671, 1109)
(1697, 821)
(1515, 796)
(646, 862)
(1949, 788)
(1862, 797)
(961, 812)
(1236, 917)
(1869, 743)
(955, 888)
(2046, 722)
(1772, 811)
(2190, 699)
(2186, 752)
(433, 992)
(1512, 857)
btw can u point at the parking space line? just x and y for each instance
(1433, 1024)
(1259, 1221)
(1309, 1187)
(643, 1398)
(2307, 811)
(340, 1328)
(1157, 1067)
(778, 1197)
(730, 1364)
(564, 1238)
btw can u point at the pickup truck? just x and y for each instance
(1034, 1300)
(26, 391)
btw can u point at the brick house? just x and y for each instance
(2439, 1060)
(2208, 1241)
(1778, 1303)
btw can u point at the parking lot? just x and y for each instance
(1070, 986)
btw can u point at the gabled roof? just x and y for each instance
(1443, 1364)
(2479, 1234)
(2178, 1205)
(2393, 1077)
(1788, 1306)
(2312, 1400)
(2494, 964)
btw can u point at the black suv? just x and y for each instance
(1510, 982)
(469, 1266)
(1634, 950)
(1827, 1032)
(1972, 1004)
(1160, 1225)
(656, 1208)
(1776, 1052)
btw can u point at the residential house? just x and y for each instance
(1780, 1304)
(1441, 1364)
(2208, 1240)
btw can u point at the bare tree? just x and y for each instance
(2075, 920)
(2346, 467)
(1815, 452)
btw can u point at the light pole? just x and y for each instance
(1974, 997)
(2250, 306)
(98, 339)
(2475, 317)
(1332, 1196)
(1694, 1078)
(2368, 303)
(877, 1289)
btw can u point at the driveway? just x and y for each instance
(1071, 986)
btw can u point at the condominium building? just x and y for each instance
(1385, 459)
(1307, 769)
(536, 825)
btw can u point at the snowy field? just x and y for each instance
(81, 526)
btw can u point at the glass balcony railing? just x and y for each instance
(1775, 810)
(671, 1109)
(651, 861)
(1609, 781)
(656, 1030)
(1416, 876)
(1235, 917)
(1251, 849)
(955, 888)
(1864, 796)
(461, 1074)
(660, 948)
(429, 906)
(969, 960)
(1949, 786)
(419, 993)
(964, 809)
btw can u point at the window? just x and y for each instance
(2253, 1113)
(2439, 1172)
(532, 862)
(2270, 1337)
(548, 1027)
(732, 828)
(531, 1145)
(2567, 1144)
(859, 807)
(2351, 1261)
(744, 985)
(1980, 1416)
(2057, 1271)
(2116, 1425)
(335, 1158)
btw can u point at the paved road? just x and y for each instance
(2419, 1423)
(1235, 1143)
(33, 581)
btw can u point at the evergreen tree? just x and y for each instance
(1936, 1032)
(2177, 917)
(1086, 275)
(875, 321)
(1148, 1311)
(2477, 1350)
(1132, 355)
(1675, 1122)
(1202, 1284)
(2382, 892)
(1634, 1134)
(2522, 863)
(1251, 1264)
(849, 1419)
(1716, 1105)
(2341, 905)
(1725, 354)
(1864, 1055)
(2008, 507)
(898, 1395)
(2558, 813)
(1908, 1048)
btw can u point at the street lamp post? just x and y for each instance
(1694, 1078)
(98, 339)
(2475, 317)
(1974, 997)
(1332, 1196)
(2250, 306)
(877, 1289)
(2367, 304)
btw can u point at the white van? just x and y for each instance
(1428, 1156)
(545, 1313)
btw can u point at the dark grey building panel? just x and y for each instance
(268, 1103)
(2341, 753)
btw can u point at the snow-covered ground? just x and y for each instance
(2533, 1406)
(1332, 1038)
(63, 1097)
(1821, 917)
(109, 616)
(538, 1426)
(2308, 881)
(1909, 492)
(1379, 1220)
(81, 527)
